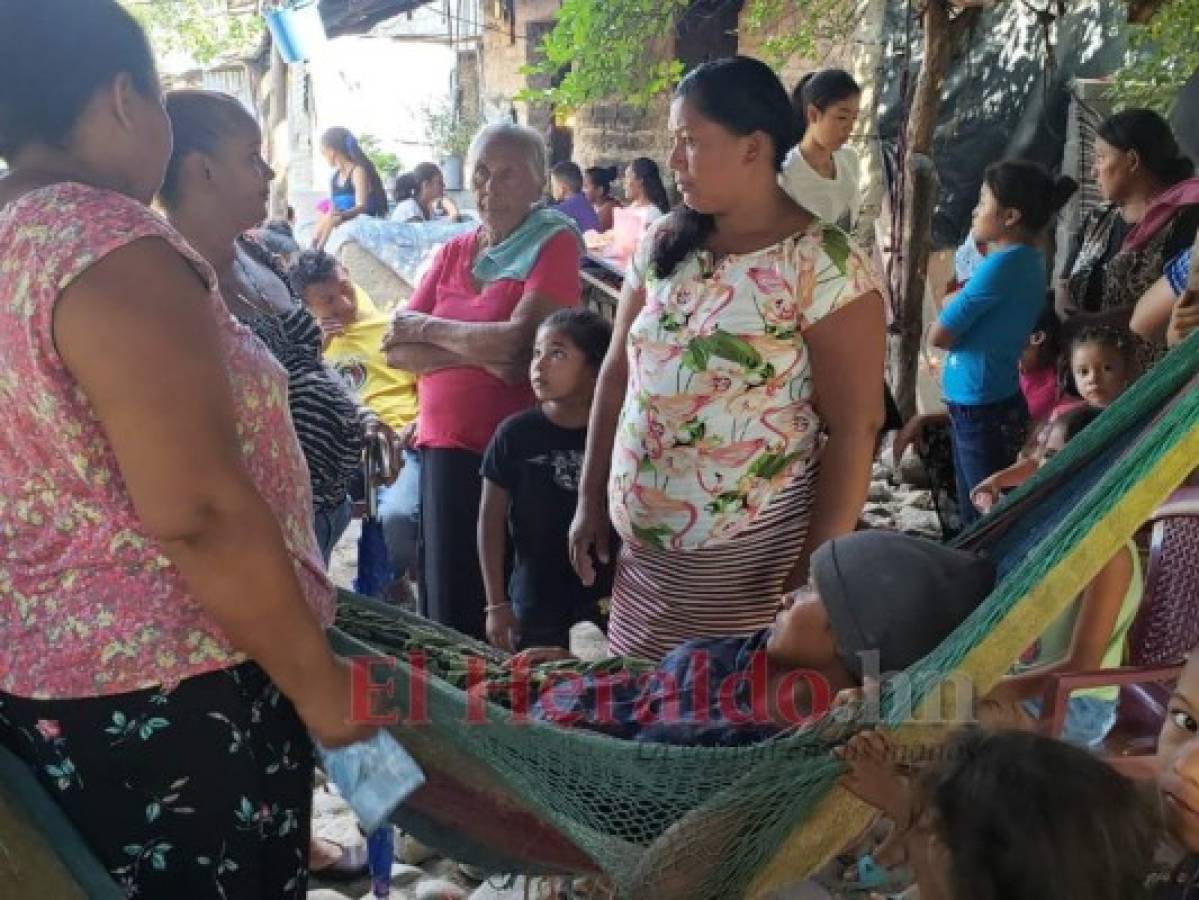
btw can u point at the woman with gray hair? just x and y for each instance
(468, 333)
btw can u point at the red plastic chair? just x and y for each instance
(1165, 630)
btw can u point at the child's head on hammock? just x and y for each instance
(1064, 429)
(1015, 816)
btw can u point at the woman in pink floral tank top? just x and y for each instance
(162, 601)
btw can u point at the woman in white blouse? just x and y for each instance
(821, 173)
(420, 196)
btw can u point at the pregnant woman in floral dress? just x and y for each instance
(737, 413)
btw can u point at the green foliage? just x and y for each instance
(605, 50)
(448, 130)
(203, 29)
(796, 31)
(1164, 54)
(385, 161)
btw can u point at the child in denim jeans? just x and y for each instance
(985, 327)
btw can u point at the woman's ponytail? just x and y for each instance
(405, 187)
(799, 103)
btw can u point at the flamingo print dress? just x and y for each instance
(715, 455)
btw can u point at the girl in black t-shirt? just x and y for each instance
(530, 489)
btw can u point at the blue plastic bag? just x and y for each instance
(374, 777)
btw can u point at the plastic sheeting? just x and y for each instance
(406, 248)
(1001, 99)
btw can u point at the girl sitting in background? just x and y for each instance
(355, 188)
(531, 486)
(985, 327)
(1088, 636)
(420, 196)
(821, 173)
(597, 188)
(1102, 365)
(644, 190)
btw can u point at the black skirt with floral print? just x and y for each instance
(204, 791)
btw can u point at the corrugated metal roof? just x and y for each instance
(359, 16)
(345, 16)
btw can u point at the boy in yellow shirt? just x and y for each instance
(353, 329)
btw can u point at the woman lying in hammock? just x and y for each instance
(878, 602)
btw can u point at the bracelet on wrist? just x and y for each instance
(492, 607)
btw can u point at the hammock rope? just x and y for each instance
(688, 822)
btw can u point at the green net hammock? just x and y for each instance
(680, 822)
(683, 823)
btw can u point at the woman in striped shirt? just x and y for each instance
(216, 187)
(736, 415)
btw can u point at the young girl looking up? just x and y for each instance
(985, 327)
(821, 173)
(1102, 366)
(530, 489)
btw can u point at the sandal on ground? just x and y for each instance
(350, 865)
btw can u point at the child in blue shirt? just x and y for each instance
(986, 326)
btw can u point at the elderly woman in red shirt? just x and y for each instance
(468, 332)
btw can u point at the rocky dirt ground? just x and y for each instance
(419, 874)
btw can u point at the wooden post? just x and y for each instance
(940, 37)
(277, 138)
(905, 342)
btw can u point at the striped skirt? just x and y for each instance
(661, 598)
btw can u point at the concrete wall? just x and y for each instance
(506, 50)
(613, 133)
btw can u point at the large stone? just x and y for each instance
(439, 889)
(411, 851)
(880, 492)
(911, 471)
(404, 875)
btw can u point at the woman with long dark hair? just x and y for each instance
(166, 661)
(736, 415)
(597, 188)
(643, 188)
(821, 173)
(1151, 216)
(355, 188)
(420, 196)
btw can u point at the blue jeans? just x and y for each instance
(1088, 719)
(986, 438)
(330, 526)
(399, 510)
